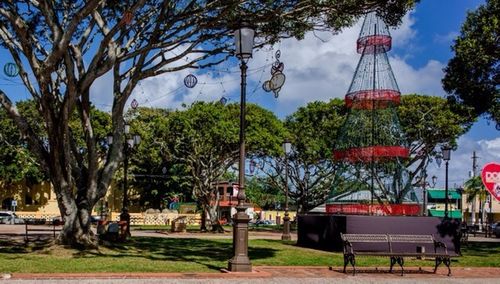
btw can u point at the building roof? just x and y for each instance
(439, 193)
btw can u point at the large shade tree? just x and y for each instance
(62, 47)
(312, 131)
(472, 77)
(205, 141)
(17, 163)
(428, 123)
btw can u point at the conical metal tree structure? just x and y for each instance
(371, 145)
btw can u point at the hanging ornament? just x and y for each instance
(277, 67)
(277, 55)
(252, 166)
(277, 77)
(190, 81)
(277, 81)
(11, 69)
(127, 17)
(134, 104)
(267, 86)
(223, 101)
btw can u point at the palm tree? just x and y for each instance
(474, 188)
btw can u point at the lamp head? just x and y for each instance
(244, 40)
(446, 151)
(287, 146)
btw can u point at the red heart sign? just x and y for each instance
(491, 179)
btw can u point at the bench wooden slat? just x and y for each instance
(365, 238)
(422, 239)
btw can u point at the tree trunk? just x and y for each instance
(203, 226)
(76, 231)
(214, 219)
(75, 211)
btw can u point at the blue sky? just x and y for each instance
(320, 67)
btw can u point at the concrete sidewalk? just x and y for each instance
(273, 274)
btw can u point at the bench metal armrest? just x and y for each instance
(438, 244)
(348, 247)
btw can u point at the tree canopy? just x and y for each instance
(472, 77)
(62, 47)
(429, 122)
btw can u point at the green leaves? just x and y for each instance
(472, 77)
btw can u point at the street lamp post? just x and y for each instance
(130, 142)
(287, 148)
(424, 189)
(244, 40)
(446, 151)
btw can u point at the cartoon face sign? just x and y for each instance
(491, 179)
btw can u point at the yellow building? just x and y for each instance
(33, 200)
(39, 201)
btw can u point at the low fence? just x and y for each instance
(156, 218)
(375, 209)
(40, 229)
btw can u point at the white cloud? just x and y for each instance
(319, 67)
(460, 163)
(425, 80)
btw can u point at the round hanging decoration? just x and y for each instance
(127, 17)
(190, 81)
(11, 69)
(267, 86)
(277, 81)
(223, 100)
(252, 166)
(134, 104)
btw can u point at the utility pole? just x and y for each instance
(473, 213)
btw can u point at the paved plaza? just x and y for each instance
(272, 274)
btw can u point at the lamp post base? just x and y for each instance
(240, 261)
(239, 264)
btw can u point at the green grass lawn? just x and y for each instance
(143, 254)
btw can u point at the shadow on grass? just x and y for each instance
(210, 253)
(13, 243)
(481, 248)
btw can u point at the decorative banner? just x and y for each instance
(491, 179)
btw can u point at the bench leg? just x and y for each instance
(438, 262)
(401, 262)
(349, 258)
(447, 262)
(393, 261)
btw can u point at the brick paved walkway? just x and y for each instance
(272, 274)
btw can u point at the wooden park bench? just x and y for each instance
(396, 247)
